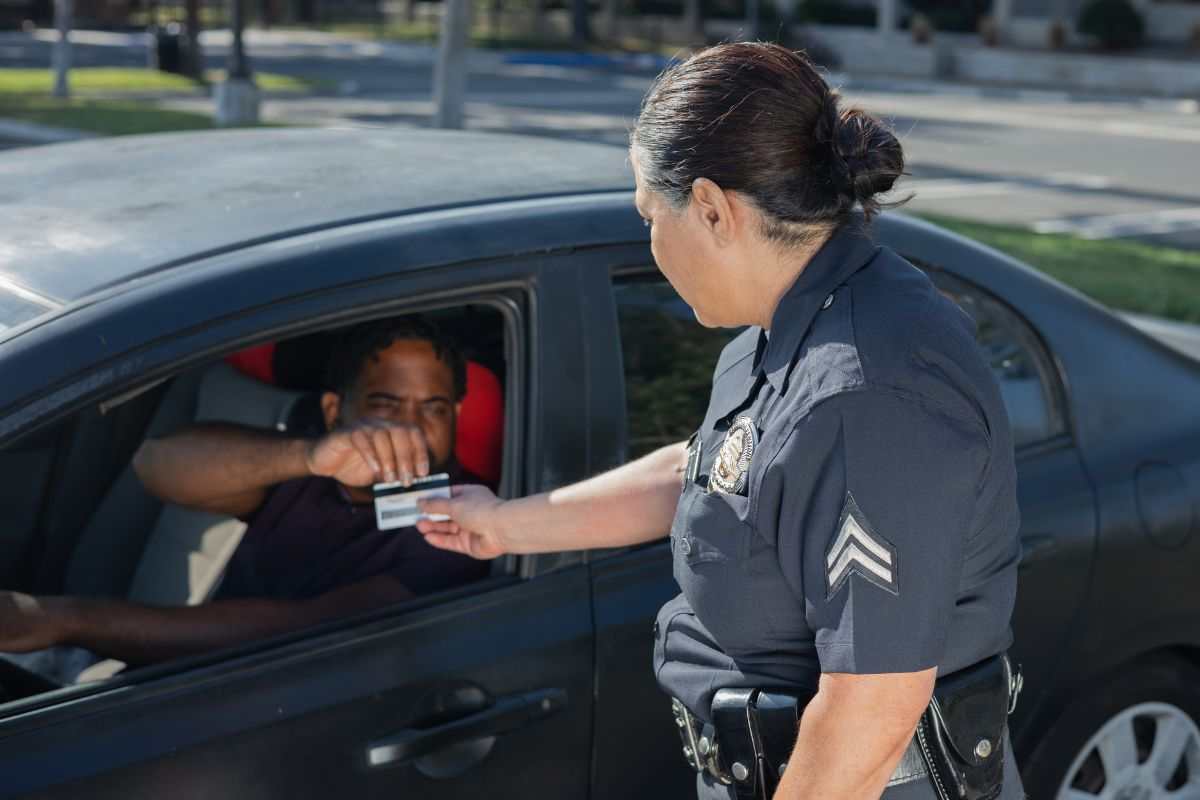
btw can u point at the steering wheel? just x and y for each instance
(17, 682)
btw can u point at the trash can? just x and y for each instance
(168, 47)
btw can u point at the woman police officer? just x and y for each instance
(844, 522)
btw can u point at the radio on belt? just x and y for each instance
(396, 504)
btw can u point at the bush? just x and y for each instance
(1116, 24)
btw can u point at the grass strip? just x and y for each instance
(1126, 275)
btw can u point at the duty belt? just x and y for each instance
(750, 754)
(959, 744)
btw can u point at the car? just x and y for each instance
(134, 271)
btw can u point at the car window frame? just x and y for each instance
(1049, 370)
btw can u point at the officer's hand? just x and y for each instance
(26, 624)
(472, 528)
(372, 451)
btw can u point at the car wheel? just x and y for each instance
(1132, 737)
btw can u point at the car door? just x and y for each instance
(662, 361)
(485, 691)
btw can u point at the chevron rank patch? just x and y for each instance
(859, 550)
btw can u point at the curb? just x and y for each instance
(623, 61)
(33, 133)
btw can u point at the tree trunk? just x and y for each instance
(581, 29)
(63, 10)
(194, 59)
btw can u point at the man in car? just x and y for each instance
(312, 551)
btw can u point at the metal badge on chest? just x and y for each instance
(733, 461)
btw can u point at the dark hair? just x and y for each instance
(758, 118)
(358, 344)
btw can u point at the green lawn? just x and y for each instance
(96, 104)
(106, 80)
(105, 117)
(1145, 278)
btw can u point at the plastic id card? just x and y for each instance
(396, 504)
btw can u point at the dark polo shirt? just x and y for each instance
(308, 539)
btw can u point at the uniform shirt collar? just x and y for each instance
(846, 251)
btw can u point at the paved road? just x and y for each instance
(1093, 166)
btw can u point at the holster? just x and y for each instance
(757, 730)
(961, 733)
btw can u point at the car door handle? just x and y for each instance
(504, 715)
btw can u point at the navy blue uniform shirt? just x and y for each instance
(850, 505)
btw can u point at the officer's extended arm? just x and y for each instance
(853, 733)
(631, 504)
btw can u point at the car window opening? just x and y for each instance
(84, 523)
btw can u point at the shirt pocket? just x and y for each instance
(715, 529)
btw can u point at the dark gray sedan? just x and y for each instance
(130, 270)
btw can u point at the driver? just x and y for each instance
(312, 551)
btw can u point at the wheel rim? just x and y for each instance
(1150, 751)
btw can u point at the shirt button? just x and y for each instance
(685, 546)
(828, 302)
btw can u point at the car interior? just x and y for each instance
(79, 522)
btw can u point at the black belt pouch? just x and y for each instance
(961, 733)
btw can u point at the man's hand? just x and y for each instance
(473, 528)
(28, 623)
(370, 452)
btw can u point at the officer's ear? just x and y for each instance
(714, 211)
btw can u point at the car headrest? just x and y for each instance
(479, 443)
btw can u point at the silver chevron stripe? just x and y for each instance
(857, 551)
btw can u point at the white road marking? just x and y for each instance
(950, 188)
(1113, 226)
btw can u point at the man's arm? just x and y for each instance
(631, 504)
(139, 634)
(219, 467)
(853, 733)
(228, 468)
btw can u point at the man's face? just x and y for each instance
(405, 383)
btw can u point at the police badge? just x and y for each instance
(733, 459)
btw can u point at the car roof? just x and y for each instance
(81, 217)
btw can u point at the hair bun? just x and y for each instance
(867, 157)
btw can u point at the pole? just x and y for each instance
(450, 71)
(63, 10)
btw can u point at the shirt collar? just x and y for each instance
(844, 253)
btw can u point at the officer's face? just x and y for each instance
(680, 249)
(697, 249)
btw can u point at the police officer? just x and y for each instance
(844, 521)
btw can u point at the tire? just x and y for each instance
(1134, 735)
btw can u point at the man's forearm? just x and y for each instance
(207, 463)
(139, 634)
(852, 738)
(631, 504)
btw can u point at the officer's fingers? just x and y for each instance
(365, 447)
(454, 543)
(438, 526)
(436, 505)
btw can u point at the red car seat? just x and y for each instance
(479, 444)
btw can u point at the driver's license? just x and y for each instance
(396, 504)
